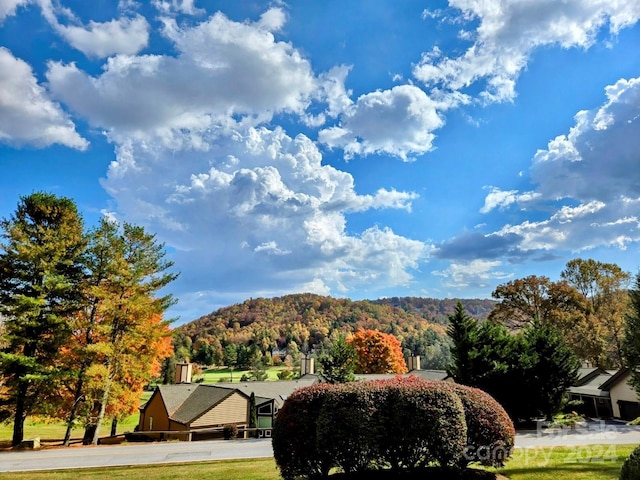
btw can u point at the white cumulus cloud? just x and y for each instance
(508, 31)
(9, 7)
(398, 122)
(259, 208)
(28, 116)
(590, 177)
(226, 74)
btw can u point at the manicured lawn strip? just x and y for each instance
(587, 462)
(260, 469)
(218, 375)
(584, 462)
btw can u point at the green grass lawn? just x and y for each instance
(585, 462)
(218, 375)
(591, 462)
(262, 469)
(55, 430)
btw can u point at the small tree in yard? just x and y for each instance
(338, 363)
(253, 412)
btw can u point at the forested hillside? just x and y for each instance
(438, 311)
(303, 322)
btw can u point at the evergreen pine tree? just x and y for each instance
(40, 272)
(631, 344)
(463, 331)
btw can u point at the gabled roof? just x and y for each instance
(586, 374)
(593, 387)
(266, 391)
(174, 395)
(200, 401)
(614, 379)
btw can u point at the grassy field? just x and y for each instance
(49, 431)
(585, 462)
(218, 375)
(263, 469)
(591, 462)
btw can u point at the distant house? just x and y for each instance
(624, 399)
(606, 394)
(270, 396)
(190, 411)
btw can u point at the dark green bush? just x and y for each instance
(631, 466)
(230, 431)
(347, 425)
(419, 425)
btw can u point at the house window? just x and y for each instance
(264, 410)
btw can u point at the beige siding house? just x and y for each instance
(198, 410)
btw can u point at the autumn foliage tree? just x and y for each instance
(377, 352)
(604, 286)
(83, 329)
(586, 306)
(121, 331)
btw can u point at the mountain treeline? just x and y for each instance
(439, 310)
(308, 322)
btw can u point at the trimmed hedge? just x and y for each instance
(490, 431)
(294, 434)
(400, 423)
(631, 466)
(419, 425)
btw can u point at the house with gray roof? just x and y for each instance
(192, 411)
(606, 394)
(195, 411)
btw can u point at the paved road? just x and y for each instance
(589, 434)
(181, 452)
(138, 454)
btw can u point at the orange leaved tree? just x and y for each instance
(377, 352)
(120, 338)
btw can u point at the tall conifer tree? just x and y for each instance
(40, 272)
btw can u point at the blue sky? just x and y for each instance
(358, 149)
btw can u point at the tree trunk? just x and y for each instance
(103, 409)
(20, 416)
(114, 426)
(74, 408)
(89, 432)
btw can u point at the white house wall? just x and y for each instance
(621, 391)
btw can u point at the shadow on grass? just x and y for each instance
(432, 473)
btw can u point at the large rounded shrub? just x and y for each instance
(294, 434)
(419, 425)
(400, 423)
(631, 466)
(490, 431)
(346, 425)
